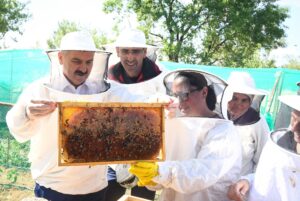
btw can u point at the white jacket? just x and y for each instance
(277, 176)
(203, 157)
(151, 90)
(43, 134)
(253, 138)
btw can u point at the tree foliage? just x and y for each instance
(293, 63)
(65, 27)
(220, 32)
(12, 15)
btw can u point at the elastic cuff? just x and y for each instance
(248, 177)
(165, 175)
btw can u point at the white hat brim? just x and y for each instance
(292, 101)
(74, 49)
(247, 90)
(131, 45)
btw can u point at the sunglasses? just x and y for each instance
(132, 51)
(183, 96)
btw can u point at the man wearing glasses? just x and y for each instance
(134, 65)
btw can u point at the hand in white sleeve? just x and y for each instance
(238, 190)
(39, 108)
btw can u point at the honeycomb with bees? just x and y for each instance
(102, 133)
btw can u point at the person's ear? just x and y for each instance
(204, 91)
(145, 52)
(60, 57)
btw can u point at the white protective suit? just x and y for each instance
(44, 139)
(253, 138)
(253, 134)
(203, 157)
(277, 176)
(151, 90)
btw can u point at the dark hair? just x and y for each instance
(198, 80)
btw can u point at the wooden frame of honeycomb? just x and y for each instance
(107, 133)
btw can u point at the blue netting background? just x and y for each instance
(21, 67)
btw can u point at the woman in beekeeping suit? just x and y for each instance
(241, 104)
(277, 175)
(203, 151)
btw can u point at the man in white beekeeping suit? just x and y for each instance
(78, 73)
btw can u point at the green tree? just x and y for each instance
(220, 32)
(65, 27)
(12, 15)
(256, 60)
(293, 63)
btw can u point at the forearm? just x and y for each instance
(187, 176)
(20, 126)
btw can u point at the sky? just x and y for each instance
(88, 13)
(292, 50)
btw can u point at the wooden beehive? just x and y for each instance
(106, 133)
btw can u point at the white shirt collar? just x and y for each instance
(62, 84)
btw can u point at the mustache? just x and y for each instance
(80, 73)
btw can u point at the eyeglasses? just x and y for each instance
(183, 96)
(132, 51)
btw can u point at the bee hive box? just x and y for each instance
(106, 133)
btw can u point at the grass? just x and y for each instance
(22, 185)
(15, 187)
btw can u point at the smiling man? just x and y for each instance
(134, 65)
(143, 76)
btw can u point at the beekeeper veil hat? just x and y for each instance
(81, 41)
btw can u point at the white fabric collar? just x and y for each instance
(62, 84)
